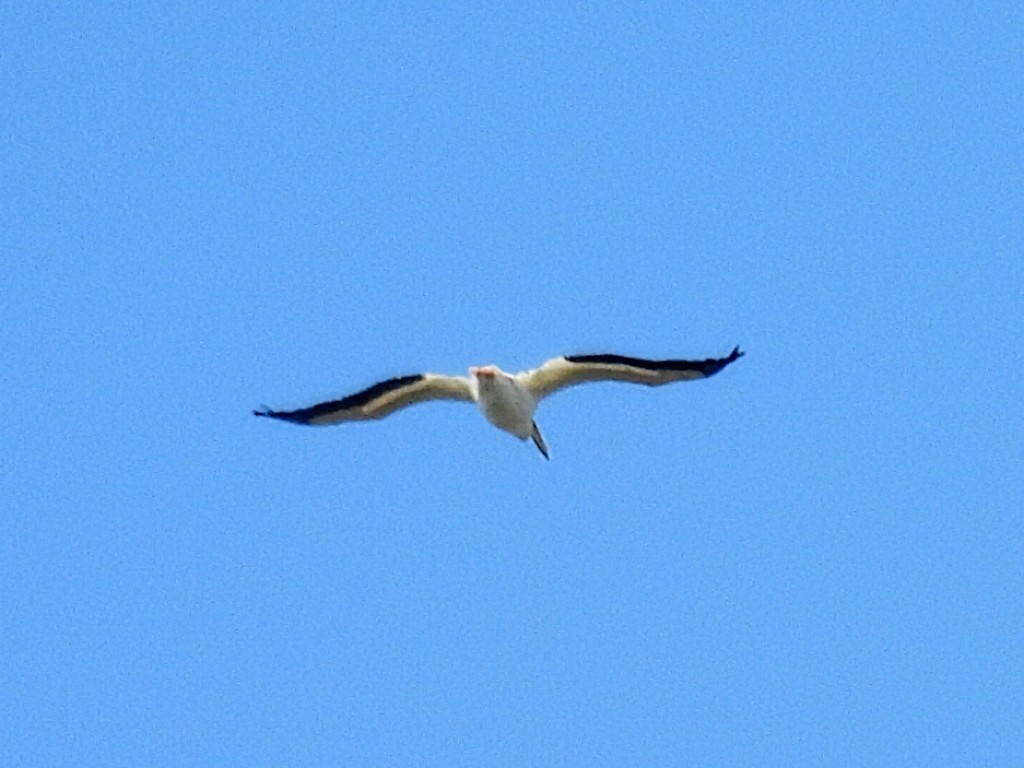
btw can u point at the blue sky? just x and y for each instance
(811, 559)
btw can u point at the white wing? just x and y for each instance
(562, 372)
(381, 399)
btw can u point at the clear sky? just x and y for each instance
(811, 559)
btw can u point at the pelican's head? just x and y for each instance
(485, 372)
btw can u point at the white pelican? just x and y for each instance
(507, 400)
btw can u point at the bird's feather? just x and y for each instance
(568, 371)
(379, 400)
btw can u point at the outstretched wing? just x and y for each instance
(562, 372)
(378, 401)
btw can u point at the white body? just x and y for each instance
(504, 402)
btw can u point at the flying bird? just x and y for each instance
(507, 400)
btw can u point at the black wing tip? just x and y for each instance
(712, 366)
(296, 417)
